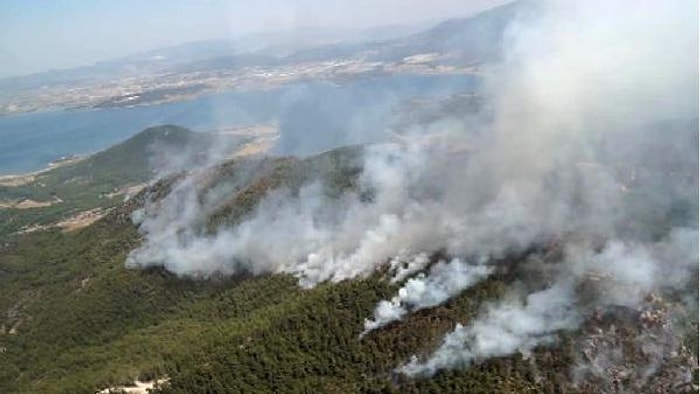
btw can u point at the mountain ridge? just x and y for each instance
(95, 324)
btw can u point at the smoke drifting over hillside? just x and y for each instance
(503, 329)
(445, 281)
(592, 147)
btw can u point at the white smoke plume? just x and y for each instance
(586, 83)
(403, 267)
(624, 273)
(508, 326)
(445, 280)
(592, 145)
(301, 236)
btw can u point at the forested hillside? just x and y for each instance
(75, 319)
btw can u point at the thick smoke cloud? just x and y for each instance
(591, 145)
(445, 280)
(307, 235)
(585, 88)
(504, 328)
(318, 116)
(623, 274)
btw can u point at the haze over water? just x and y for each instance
(29, 142)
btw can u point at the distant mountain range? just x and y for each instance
(473, 39)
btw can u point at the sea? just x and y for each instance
(29, 142)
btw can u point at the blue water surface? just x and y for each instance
(29, 142)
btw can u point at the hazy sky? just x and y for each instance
(37, 35)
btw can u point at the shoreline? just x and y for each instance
(250, 86)
(25, 178)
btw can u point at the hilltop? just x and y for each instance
(103, 179)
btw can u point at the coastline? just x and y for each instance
(158, 95)
(21, 179)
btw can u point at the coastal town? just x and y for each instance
(183, 85)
